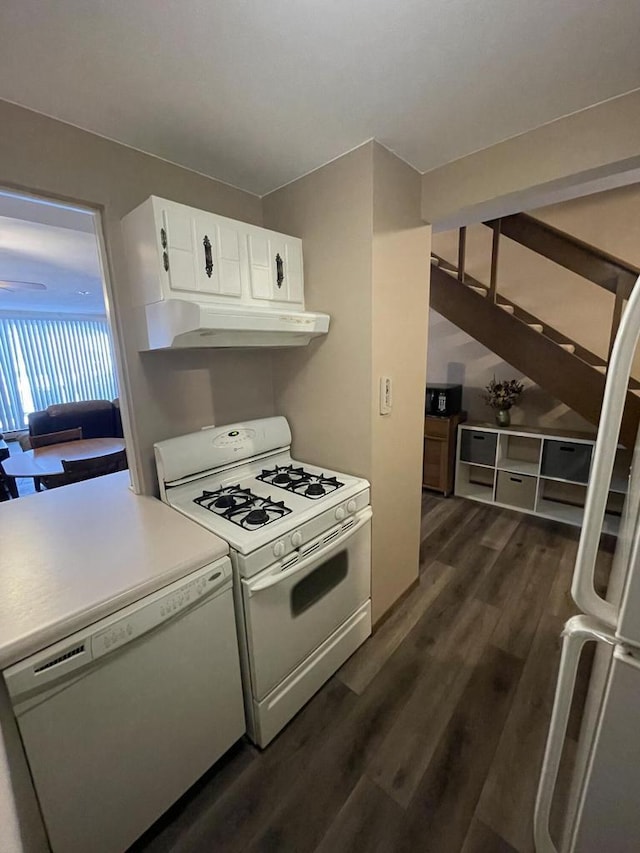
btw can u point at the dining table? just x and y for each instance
(47, 461)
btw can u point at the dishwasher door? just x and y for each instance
(131, 712)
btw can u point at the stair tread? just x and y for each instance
(537, 327)
(568, 347)
(481, 290)
(634, 386)
(508, 308)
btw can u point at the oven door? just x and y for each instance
(292, 607)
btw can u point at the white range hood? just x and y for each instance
(204, 280)
(182, 323)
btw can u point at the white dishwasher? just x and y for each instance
(119, 720)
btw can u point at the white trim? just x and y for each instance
(121, 364)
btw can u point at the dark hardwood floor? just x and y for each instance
(430, 737)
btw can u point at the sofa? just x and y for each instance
(98, 419)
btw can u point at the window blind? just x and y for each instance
(46, 361)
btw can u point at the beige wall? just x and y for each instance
(168, 393)
(601, 140)
(401, 247)
(366, 265)
(609, 220)
(323, 389)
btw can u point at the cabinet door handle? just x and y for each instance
(165, 254)
(208, 257)
(279, 270)
(567, 449)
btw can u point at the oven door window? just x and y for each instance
(311, 589)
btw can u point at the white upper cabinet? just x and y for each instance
(178, 235)
(178, 252)
(218, 256)
(275, 266)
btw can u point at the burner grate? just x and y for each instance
(242, 507)
(300, 482)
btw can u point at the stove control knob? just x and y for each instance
(278, 549)
(340, 513)
(296, 539)
(352, 506)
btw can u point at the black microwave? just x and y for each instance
(444, 400)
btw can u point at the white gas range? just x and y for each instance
(300, 539)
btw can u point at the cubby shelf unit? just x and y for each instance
(534, 471)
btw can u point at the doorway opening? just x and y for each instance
(59, 386)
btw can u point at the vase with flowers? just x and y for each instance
(501, 396)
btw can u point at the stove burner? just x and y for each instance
(299, 481)
(315, 490)
(226, 501)
(242, 507)
(257, 517)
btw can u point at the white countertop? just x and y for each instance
(73, 555)
(69, 557)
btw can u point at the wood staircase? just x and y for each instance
(561, 366)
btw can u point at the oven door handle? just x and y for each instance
(363, 518)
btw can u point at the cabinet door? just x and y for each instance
(275, 264)
(178, 245)
(260, 253)
(435, 467)
(218, 256)
(229, 260)
(293, 279)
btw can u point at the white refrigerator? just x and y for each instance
(603, 815)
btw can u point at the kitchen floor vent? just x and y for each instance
(78, 650)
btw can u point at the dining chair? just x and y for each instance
(45, 440)
(56, 437)
(76, 470)
(8, 488)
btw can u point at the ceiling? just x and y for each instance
(51, 245)
(258, 93)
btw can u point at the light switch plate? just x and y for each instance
(386, 395)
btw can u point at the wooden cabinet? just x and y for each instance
(439, 452)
